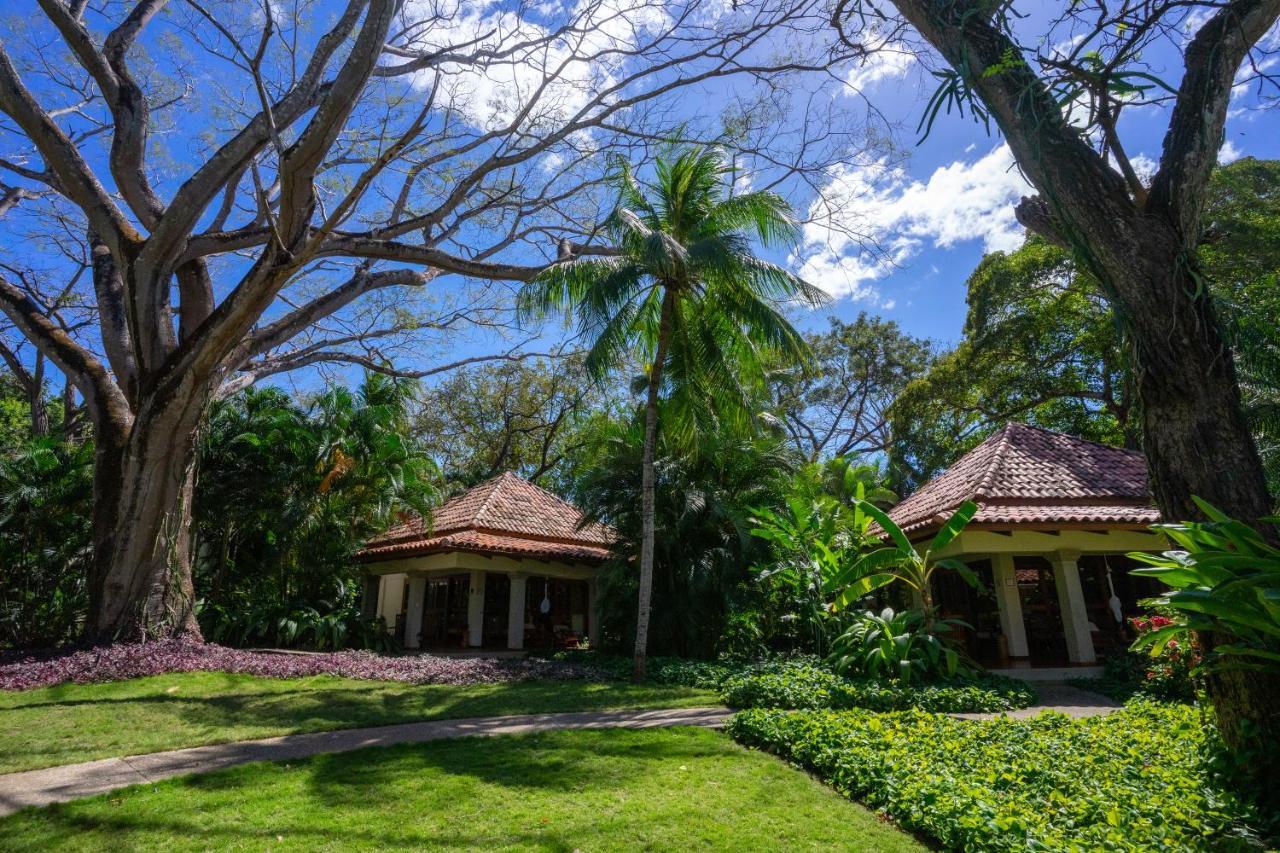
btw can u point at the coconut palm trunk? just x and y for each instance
(647, 489)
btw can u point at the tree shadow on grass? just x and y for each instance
(70, 827)
(563, 762)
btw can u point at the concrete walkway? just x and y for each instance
(1063, 698)
(72, 781)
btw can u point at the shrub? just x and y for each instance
(1168, 676)
(708, 675)
(1132, 780)
(800, 685)
(898, 645)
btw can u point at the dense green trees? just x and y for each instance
(531, 417)
(286, 492)
(705, 599)
(46, 490)
(687, 295)
(285, 496)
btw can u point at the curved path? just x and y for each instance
(72, 781)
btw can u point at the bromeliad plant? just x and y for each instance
(902, 562)
(1224, 581)
(898, 646)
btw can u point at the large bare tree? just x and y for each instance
(1056, 89)
(242, 173)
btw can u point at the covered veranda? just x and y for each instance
(505, 565)
(1057, 517)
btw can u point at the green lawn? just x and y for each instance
(669, 789)
(81, 722)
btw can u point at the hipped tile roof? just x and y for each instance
(505, 515)
(1025, 475)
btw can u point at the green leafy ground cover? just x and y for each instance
(663, 789)
(801, 686)
(81, 722)
(805, 682)
(1132, 780)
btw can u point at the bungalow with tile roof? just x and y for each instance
(1056, 517)
(505, 564)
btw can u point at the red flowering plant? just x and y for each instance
(1168, 675)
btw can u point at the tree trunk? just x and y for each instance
(143, 481)
(1195, 436)
(36, 401)
(1197, 442)
(647, 510)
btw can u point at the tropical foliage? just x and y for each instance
(286, 495)
(703, 600)
(1224, 582)
(897, 645)
(901, 562)
(814, 535)
(46, 492)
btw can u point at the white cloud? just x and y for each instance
(1144, 167)
(872, 219)
(886, 61)
(1228, 153)
(530, 52)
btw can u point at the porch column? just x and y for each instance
(390, 594)
(1075, 617)
(475, 610)
(593, 614)
(413, 618)
(515, 611)
(1010, 605)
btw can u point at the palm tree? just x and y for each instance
(687, 293)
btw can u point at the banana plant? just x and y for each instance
(901, 562)
(1224, 578)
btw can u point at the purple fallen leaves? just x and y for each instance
(134, 660)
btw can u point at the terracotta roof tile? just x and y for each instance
(487, 543)
(1026, 475)
(507, 515)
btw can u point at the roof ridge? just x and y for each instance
(987, 480)
(1075, 438)
(493, 483)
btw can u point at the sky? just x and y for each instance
(926, 209)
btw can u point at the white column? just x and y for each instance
(515, 611)
(390, 595)
(1009, 603)
(593, 616)
(475, 609)
(413, 618)
(1075, 617)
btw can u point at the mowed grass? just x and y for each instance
(82, 722)
(589, 790)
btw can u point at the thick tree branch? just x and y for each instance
(73, 174)
(282, 330)
(1195, 129)
(94, 381)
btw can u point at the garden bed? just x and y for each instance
(805, 686)
(804, 682)
(1132, 780)
(135, 660)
